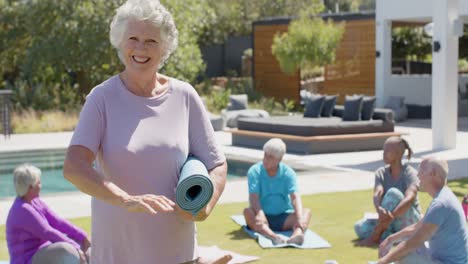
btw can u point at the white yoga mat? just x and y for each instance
(213, 253)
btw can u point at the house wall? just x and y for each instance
(417, 89)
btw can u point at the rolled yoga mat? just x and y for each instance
(195, 187)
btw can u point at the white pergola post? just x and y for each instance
(383, 60)
(444, 75)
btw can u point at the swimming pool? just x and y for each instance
(51, 164)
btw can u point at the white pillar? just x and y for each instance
(383, 60)
(444, 76)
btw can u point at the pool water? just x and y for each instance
(51, 164)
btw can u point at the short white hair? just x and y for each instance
(439, 166)
(24, 176)
(275, 147)
(151, 11)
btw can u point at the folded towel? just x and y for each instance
(195, 188)
(311, 239)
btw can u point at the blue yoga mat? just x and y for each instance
(195, 187)
(311, 239)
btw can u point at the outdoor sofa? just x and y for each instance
(317, 134)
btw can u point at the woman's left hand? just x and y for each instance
(85, 245)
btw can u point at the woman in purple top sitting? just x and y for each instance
(34, 233)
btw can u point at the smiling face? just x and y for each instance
(141, 47)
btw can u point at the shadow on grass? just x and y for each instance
(238, 234)
(359, 243)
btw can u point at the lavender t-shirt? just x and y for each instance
(140, 144)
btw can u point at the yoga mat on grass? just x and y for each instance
(213, 253)
(195, 188)
(311, 239)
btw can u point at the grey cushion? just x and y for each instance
(352, 108)
(301, 126)
(328, 105)
(238, 102)
(368, 107)
(395, 102)
(230, 117)
(383, 114)
(314, 105)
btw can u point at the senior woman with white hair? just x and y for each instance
(34, 233)
(275, 204)
(140, 126)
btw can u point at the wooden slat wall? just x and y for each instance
(269, 79)
(352, 73)
(354, 69)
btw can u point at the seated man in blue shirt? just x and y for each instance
(275, 204)
(444, 225)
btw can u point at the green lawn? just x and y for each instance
(333, 217)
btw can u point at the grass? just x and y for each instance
(333, 217)
(31, 121)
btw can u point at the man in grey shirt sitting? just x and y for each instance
(444, 225)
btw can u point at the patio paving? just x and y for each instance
(348, 171)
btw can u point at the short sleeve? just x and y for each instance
(253, 176)
(412, 177)
(90, 129)
(379, 177)
(292, 179)
(435, 214)
(202, 139)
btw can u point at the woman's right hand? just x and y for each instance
(148, 203)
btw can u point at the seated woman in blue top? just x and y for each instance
(275, 204)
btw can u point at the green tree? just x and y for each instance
(186, 62)
(49, 42)
(348, 5)
(308, 43)
(229, 18)
(410, 43)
